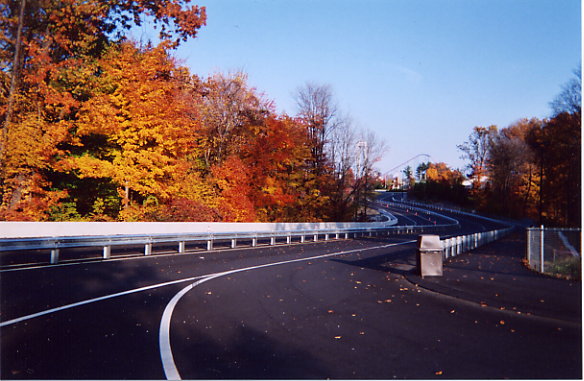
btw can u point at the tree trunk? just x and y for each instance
(15, 70)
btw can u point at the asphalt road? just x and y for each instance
(340, 309)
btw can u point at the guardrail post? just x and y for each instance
(254, 242)
(209, 245)
(54, 256)
(107, 252)
(148, 249)
(272, 241)
(315, 237)
(182, 247)
(337, 236)
(288, 239)
(302, 239)
(326, 237)
(233, 243)
(346, 235)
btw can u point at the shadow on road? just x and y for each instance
(241, 353)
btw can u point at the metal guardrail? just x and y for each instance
(449, 210)
(453, 222)
(106, 243)
(454, 246)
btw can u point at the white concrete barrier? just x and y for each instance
(75, 229)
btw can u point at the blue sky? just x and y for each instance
(420, 73)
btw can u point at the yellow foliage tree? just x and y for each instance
(145, 117)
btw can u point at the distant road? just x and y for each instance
(336, 309)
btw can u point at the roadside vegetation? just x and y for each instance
(528, 170)
(97, 127)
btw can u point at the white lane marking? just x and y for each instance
(93, 300)
(166, 356)
(168, 364)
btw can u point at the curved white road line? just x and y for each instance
(93, 300)
(170, 369)
(168, 364)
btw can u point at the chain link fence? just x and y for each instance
(555, 251)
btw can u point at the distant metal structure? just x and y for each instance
(361, 153)
(407, 162)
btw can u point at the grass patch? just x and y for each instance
(570, 268)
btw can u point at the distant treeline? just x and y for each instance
(530, 169)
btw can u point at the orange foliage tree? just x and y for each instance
(49, 50)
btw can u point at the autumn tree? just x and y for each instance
(441, 183)
(138, 127)
(569, 100)
(228, 106)
(557, 149)
(369, 150)
(49, 50)
(476, 150)
(279, 157)
(513, 170)
(317, 109)
(341, 153)
(533, 166)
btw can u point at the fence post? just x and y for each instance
(541, 250)
(528, 253)
(182, 247)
